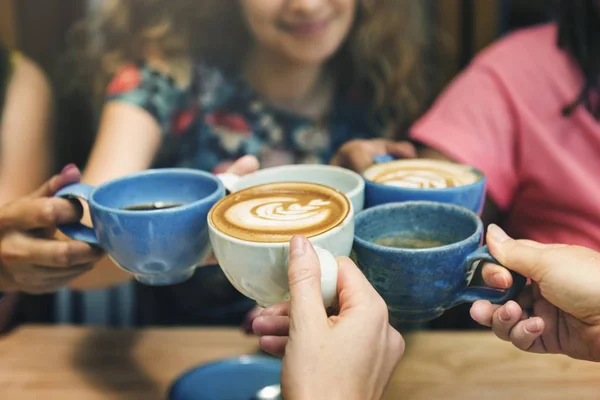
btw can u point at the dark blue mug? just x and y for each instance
(152, 224)
(471, 196)
(417, 281)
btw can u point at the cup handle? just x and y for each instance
(229, 180)
(77, 230)
(496, 296)
(329, 276)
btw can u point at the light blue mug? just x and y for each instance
(152, 224)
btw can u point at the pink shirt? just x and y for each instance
(503, 116)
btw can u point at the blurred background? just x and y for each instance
(40, 30)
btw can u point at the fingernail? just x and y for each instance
(68, 168)
(504, 314)
(533, 326)
(297, 246)
(497, 233)
(500, 280)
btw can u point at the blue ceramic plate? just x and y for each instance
(231, 379)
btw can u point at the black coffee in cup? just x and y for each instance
(152, 206)
(416, 240)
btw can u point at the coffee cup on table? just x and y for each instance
(390, 181)
(152, 224)
(421, 256)
(250, 231)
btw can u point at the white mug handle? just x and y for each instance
(229, 180)
(329, 276)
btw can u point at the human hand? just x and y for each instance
(347, 356)
(561, 311)
(357, 155)
(31, 260)
(242, 166)
(249, 319)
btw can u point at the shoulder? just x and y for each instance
(26, 73)
(27, 83)
(145, 74)
(528, 65)
(525, 52)
(537, 40)
(132, 76)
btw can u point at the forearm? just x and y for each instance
(25, 143)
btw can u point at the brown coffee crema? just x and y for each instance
(422, 174)
(275, 212)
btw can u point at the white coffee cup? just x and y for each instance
(259, 269)
(348, 182)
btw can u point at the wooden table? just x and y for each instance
(69, 363)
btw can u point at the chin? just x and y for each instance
(318, 54)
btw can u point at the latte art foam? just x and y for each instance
(422, 174)
(276, 212)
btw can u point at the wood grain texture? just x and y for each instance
(68, 363)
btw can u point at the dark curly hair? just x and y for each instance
(579, 34)
(388, 51)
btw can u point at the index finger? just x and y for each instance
(401, 149)
(244, 165)
(354, 289)
(35, 213)
(520, 256)
(496, 276)
(358, 160)
(304, 276)
(70, 174)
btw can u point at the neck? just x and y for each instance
(286, 84)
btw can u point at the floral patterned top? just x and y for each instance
(219, 118)
(207, 126)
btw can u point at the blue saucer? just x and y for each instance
(231, 379)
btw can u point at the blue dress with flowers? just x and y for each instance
(207, 126)
(218, 118)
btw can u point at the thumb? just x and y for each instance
(244, 165)
(401, 149)
(354, 289)
(524, 257)
(304, 277)
(70, 174)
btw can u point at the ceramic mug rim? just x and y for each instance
(360, 182)
(482, 180)
(474, 237)
(214, 196)
(347, 220)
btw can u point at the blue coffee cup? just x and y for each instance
(471, 196)
(152, 224)
(420, 284)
